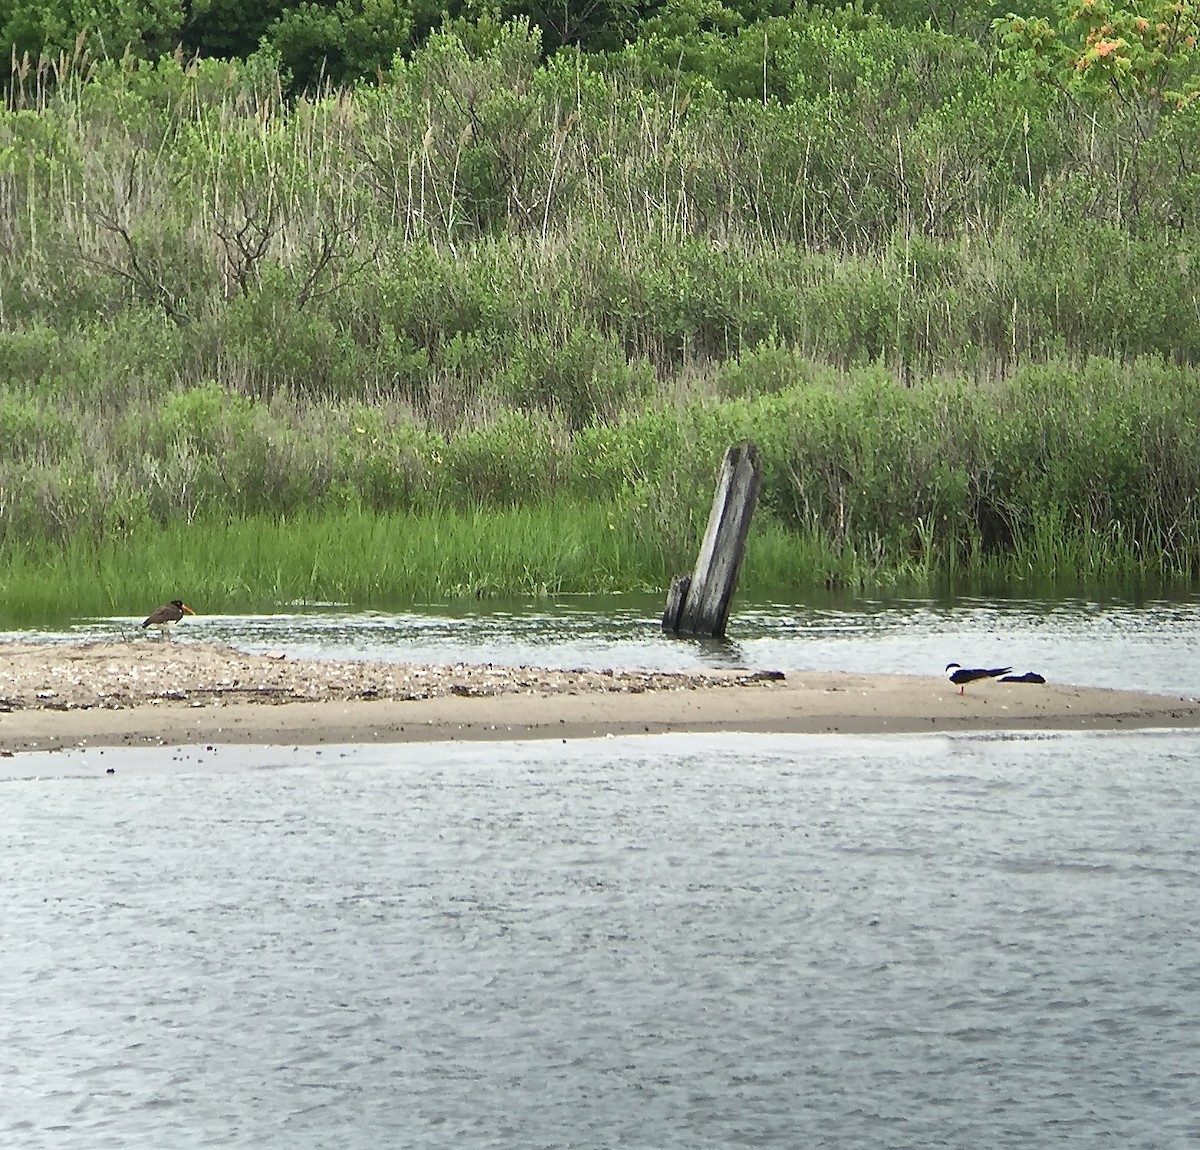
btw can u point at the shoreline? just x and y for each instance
(115, 694)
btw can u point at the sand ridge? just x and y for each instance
(112, 674)
(174, 693)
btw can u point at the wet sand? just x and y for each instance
(152, 693)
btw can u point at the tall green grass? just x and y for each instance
(354, 557)
(369, 560)
(1057, 473)
(429, 338)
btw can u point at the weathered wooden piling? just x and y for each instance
(698, 604)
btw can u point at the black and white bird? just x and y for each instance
(167, 616)
(961, 676)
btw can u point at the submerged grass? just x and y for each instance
(361, 558)
(367, 559)
(1058, 475)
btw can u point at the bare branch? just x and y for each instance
(246, 244)
(136, 271)
(333, 248)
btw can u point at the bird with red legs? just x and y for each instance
(961, 676)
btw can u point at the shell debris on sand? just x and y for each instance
(126, 674)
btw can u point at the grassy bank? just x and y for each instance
(1057, 474)
(488, 325)
(358, 557)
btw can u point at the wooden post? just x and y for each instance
(699, 604)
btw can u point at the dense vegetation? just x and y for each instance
(502, 282)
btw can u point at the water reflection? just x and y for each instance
(1148, 645)
(720, 654)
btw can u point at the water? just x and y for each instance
(1152, 646)
(670, 942)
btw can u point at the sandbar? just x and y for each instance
(155, 693)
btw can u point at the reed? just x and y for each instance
(366, 241)
(395, 561)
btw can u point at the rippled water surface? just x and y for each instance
(672, 942)
(1151, 645)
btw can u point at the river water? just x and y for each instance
(675, 942)
(957, 941)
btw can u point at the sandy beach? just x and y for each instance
(174, 693)
(166, 694)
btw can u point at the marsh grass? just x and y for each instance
(355, 557)
(254, 567)
(1057, 474)
(367, 559)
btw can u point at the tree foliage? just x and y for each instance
(35, 28)
(1142, 56)
(1132, 71)
(229, 29)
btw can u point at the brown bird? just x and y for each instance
(167, 616)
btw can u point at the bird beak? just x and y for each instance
(187, 610)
